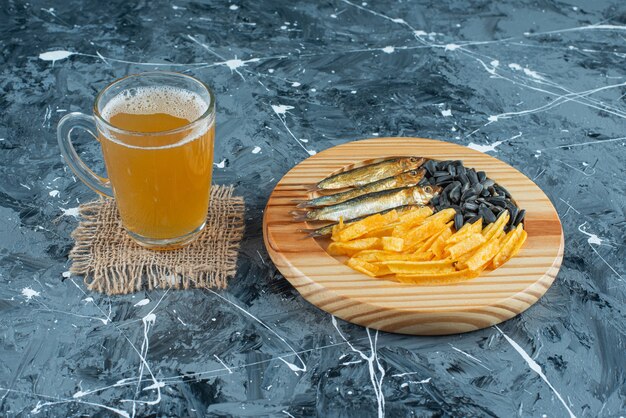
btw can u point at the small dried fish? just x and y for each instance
(370, 203)
(328, 229)
(406, 179)
(373, 172)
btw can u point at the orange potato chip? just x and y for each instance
(363, 266)
(468, 244)
(465, 231)
(352, 247)
(420, 267)
(362, 227)
(392, 244)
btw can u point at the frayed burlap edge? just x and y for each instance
(112, 263)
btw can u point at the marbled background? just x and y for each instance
(538, 84)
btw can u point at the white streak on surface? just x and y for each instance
(281, 111)
(388, 50)
(29, 293)
(256, 150)
(55, 55)
(70, 212)
(377, 382)
(595, 240)
(54, 193)
(447, 112)
(484, 148)
(535, 367)
(142, 302)
(221, 164)
(223, 364)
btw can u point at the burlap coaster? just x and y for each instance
(112, 263)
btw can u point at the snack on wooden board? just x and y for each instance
(417, 220)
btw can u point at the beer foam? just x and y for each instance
(148, 100)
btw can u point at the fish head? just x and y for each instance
(424, 194)
(410, 163)
(410, 178)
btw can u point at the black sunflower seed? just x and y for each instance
(487, 214)
(469, 215)
(440, 173)
(460, 171)
(435, 200)
(467, 194)
(452, 170)
(455, 193)
(513, 212)
(458, 221)
(474, 219)
(485, 193)
(430, 166)
(478, 188)
(443, 179)
(520, 217)
(473, 177)
(487, 183)
(482, 176)
(502, 191)
(469, 206)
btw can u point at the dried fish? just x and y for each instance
(373, 172)
(409, 178)
(370, 203)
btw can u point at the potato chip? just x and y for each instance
(437, 248)
(362, 227)
(520, 242)
(470, 243)
(367, 255)
(392, 244)
(352, 247)
(410, 220)
(363, 266)
(420, 267)
(506, 249)
(425, 231)
(496, 227)
(483, 255)
(383, 270)
(465, 231)
(389, 256)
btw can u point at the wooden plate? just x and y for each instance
(382, 304)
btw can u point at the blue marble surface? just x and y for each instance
(540, 85)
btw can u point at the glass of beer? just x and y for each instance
(156, 130)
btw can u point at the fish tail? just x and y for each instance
(313, 187)
(302, 203)
(311, 233)
(300, 215)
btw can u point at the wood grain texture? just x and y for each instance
(383, 304)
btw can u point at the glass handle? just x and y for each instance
(66, 125)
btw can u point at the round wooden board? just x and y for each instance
(382, 304)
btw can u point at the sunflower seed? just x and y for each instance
(482, 176)
(469, 206)
(458, 221)
(473, 177)
(520, 217)
(443, 179)
(487, 183)
(430, 166)
(487, 214)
